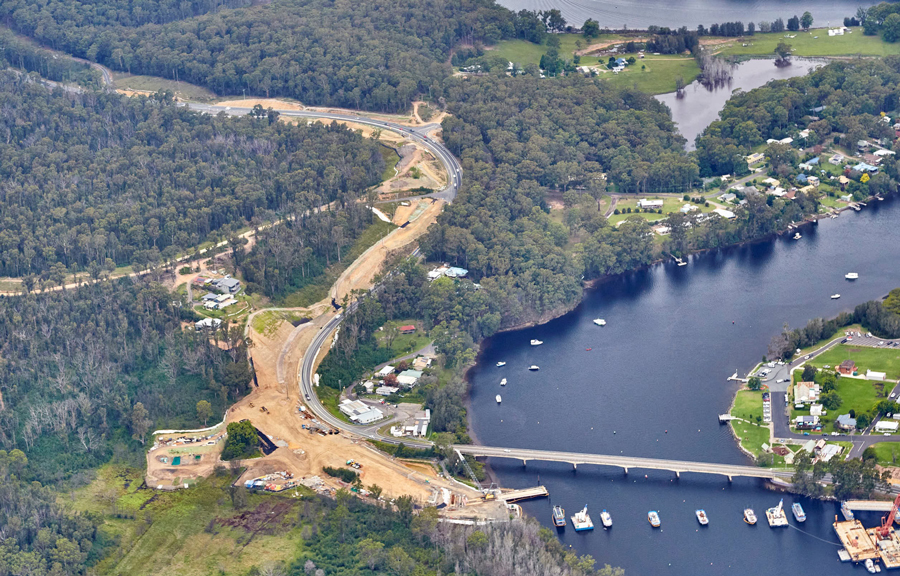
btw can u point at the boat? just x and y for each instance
(835, 296)
(653, 518)
(799, 514)
(503, 382)
(536, 342)
(776, 515)
(851, 275)
(606, 519)
(582, 521)
(750, 516)
(599, 321)
(702, 518)
(498, 399)
(559, 517)
(501, 364)
(797, 236)
(534, 367)
(870, 566)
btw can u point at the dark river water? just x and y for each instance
(616, 14)
(698, 106)
(653, 384)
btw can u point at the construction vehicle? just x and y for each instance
(887, 521)
(350, 462)
(488, 497)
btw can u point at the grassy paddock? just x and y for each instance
(806, 44)
(878, 359)
(658, 75)
(670, 204)
(153, 84)
(888, 453)
(390, 161)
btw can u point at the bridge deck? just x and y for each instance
(869, 505)
(525, 494)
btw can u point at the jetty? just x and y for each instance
(524, 494)
(725, 418)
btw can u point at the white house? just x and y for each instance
(409, 377)
(884, 152)
(385, 371)
(207, 323)
(778, 192)
(359, 412)
(386, 390)
(687, 208)
(836, 159)
(813, 180)
(870, 375)
(887, 426)
(651, 204)
(829, 451)
(727, 214)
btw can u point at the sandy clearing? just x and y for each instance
(264, 102)
(601, 45)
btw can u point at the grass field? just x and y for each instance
(856, 394)
(175, 533)
(748, 405)
(670, 204)
(877, 359)
(404, 344)
(523, 52)
(888, 453)
(318, 290)
(153, 84)
(658, 76)
(266, 323)
(806, 44)
(840, 333)
(390, 160)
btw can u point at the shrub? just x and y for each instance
(242, 441)
(345, 474)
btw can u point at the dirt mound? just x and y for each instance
(263, 519)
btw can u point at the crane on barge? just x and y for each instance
(888, 520)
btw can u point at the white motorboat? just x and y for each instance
(702, 518)
(534, 367)
(606, 519)
(501, 364)
(600, 322)
(870, 566)
(851, 276)
(835, 296)
(503, 382)
(499, 399)
(797, 236)
(750, 516)
(536, 342)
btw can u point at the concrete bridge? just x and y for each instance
(625, 462)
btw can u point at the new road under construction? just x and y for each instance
(869, 545)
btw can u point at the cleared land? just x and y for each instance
(806, 44)
(670, 204)
(146, 85)
(866, 357)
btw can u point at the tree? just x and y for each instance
(809, 373)
(477, 541)
(390, 380)
(372, 551)
(783, 51)
(754, 383)
(242, 441)
(828, 381)
(831, 400)
(862, 421)
(891, 28)
(590, 29)
(140, 422)
(793, 23)
(806, 20)
(204, 411)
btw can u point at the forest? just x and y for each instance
(377, 55)
(95, 179)
(88, 373)
(853, 94)
(20, 53)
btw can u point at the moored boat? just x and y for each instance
(851, 275)
(503, 382)
(702, 518)
(599, 321)
(870, 566)
(606, 519)
(797, 236)
(653, 518)
(559, 517)
(835, 296)
(534, 367)
(500, 364)
(799, 514)
(536, 342)
(750, 516)
(498, 399)
(582, 521)
(776, 515)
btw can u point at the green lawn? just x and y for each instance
(839, 333)
(805, 44)
(404, 344)
(752, 436)
(856, 394)
(390, 161)
(266, 323)
(878, 359)
(657, 75)
(152, 84)
(523, 52)
(888, 453)
(748, 405)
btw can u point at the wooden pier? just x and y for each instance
(525, 494)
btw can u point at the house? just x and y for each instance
(830, 451)
(360, 412)
(750, 190)
(817, 109)
(845, 422)
(806, 423)
(802, 178)
(661, 230)
(211, 323)
(211, 296)
(228, 284)
(787, 141)
(421, 363)
(884, 152)
(847, 198)
(386, 390)
(806, 392)
(408, 329)
(755, 158)
(806, 190)
(809, 447)
(688, 208)
(621, 62)
(886, 426)
(437, 272)
(813, 180)
(651, 204)
(385, 371)
(727, 214)
(369, 386)
(862, 145)
(729, 197)
(847, 367)
(409, 377)
(872, 159)
(454, 272)
(863, 167)
(778, 192)
(836, 159)
(804, 134)
(880, 376)
(772, 182)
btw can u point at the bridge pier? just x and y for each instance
(575, 466)
(729, 479)
(626, 470)
(677, 474)
(524, 462)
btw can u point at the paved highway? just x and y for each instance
(417, 134)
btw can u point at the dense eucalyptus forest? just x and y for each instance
(97, 179)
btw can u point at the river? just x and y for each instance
(643, 13)
(653, 384)
(698, 106)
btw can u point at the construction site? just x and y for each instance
(869, 545)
